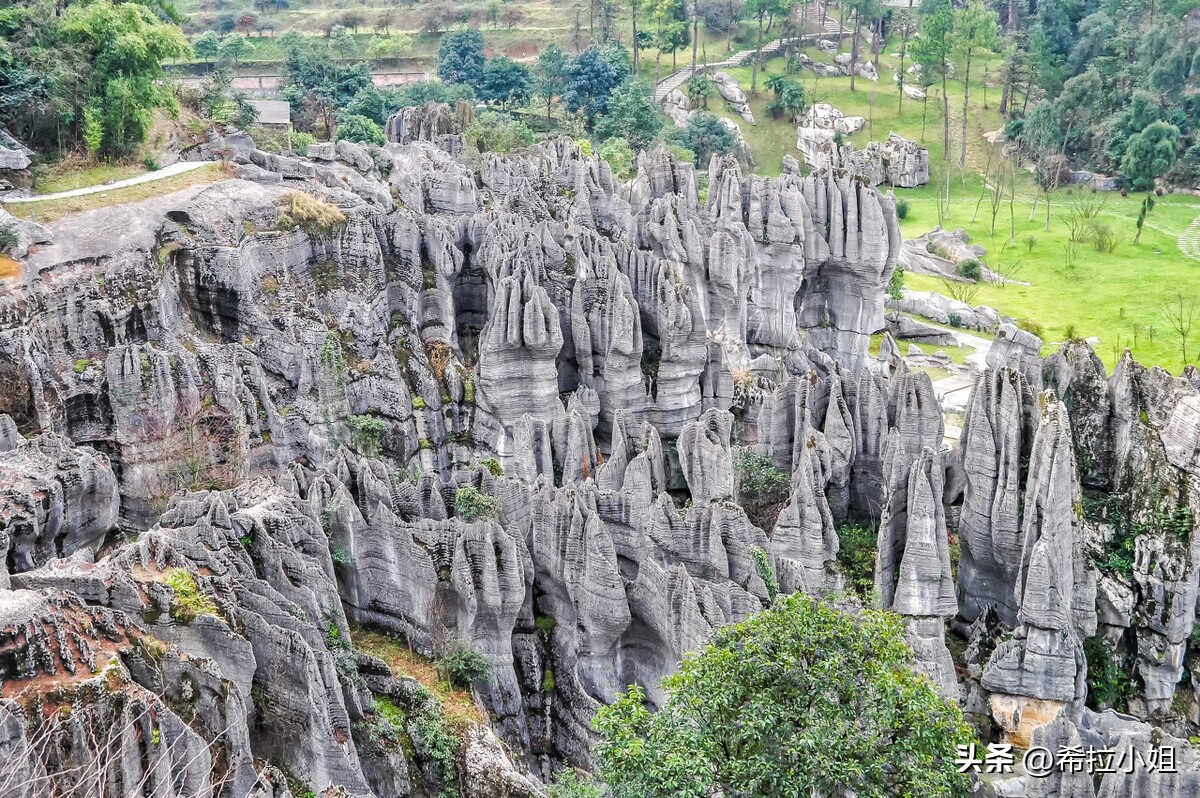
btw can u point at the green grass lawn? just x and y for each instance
(1117, 297)
(879, 102)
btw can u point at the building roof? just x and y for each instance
(273, 112)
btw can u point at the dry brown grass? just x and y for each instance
(9, 267)
(316, 217)
(457, 704)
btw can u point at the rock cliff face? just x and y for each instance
(505, 402)
(255, 426)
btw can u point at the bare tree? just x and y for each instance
(1180, 314)
(964, 291)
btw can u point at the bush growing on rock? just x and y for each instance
(355, 127)
(761, 487)
(8, 238)
(471, 504)
(317, 218)
(189, 602)
(462, 666)
(970, 269)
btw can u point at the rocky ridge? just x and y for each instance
(462, 401)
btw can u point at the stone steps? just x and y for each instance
(1189, 240)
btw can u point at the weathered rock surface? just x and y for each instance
(469, 412)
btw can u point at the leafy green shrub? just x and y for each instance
(418, 403)
(492, 465)
(763, 561)
(150, 164)
(471, 504)
(856, 555)
(779, 681)
(300, 141)
(617, 153)
(9, 238)
(1108, 685)
(496, 132)
(189, 602)
(341, 556)
(462, 666)
(439, 745)
(761, 487)
(568, 784)
(901, 209)
(366, 434)
(356, 127)
(1031, 326)
(971, 269)
(954, 319)
(895, 287)
(81, 365)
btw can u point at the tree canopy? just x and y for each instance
(632, 115)
(802, 699)
(461, 58)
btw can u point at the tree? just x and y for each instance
(461, 58)
(353, 127)
(123, 47)
(496, 132)
(505, 81)
(904, 21)
(617, 153)
(207, 46)
(1079, 105)
(1180, 315)
(235, 47)
(706, 135)
(631, 115)
(1041, 136)
(226, 23)
(932, 50)
(393, 46)
(1149, 154)
(246, 23)
(790, 99)
(351, 20)
(975, 30)
(802, 699)
(634, 7)
(590, 80)
(867, 11)
(760, 10)
(549, 76)
(700, 89)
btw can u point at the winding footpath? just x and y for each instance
(676, 79)
(1189, 240)
(158, 174)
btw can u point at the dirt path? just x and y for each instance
(169, 171)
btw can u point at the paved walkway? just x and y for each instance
(953, 391)
(1189, 240)
(677, 79)
(168, 171)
